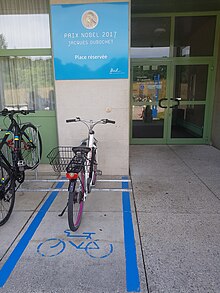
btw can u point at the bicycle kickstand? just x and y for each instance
(61, 214)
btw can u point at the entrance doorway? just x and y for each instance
(169, 103)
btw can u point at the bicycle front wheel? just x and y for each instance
(31, 146)
(76, 203)
(7, 193)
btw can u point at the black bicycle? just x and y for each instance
(20, 150)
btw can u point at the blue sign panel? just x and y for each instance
(90, 41)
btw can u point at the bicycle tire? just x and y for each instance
(31, 146)
(7, 151)
(76, 203)
(95, 167)
(7, 193)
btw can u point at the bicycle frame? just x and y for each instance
(14, 128)
(91, 143)
(16, 154)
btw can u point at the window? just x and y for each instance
(150, 37)
(194, 36)
(26, 82)
(191, 82)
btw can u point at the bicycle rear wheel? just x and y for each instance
(94, 173)
(31, 146)
(95, 167)
(76, 203)
(7, 150)
(7, 193)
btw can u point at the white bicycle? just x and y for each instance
(81, 171)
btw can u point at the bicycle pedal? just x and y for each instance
(21, 163)
(99, 172)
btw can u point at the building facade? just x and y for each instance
(170, 90)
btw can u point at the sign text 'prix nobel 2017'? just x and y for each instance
(88, 43)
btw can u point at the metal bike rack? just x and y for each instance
(65, 189)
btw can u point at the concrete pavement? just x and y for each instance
(162, 237)
(40, 254)
(177, 199)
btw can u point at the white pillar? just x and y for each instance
(96, 99)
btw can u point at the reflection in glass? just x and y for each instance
(26, 83)
(188, 121)
(194, 36)
(25, 31)
(191, 82)
(149, 83)
(144, 125)
(149, 86)
(150, 37)
(156, 52)
(24, 24)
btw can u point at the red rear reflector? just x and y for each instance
(71, 176)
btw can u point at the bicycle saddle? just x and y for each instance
(81, 149)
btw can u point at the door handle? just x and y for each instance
(160, 103)
(176, 100)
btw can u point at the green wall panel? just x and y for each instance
(46, 120)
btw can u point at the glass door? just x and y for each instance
(148, 90)
(172, 79)
(191, 91)
(170, 104)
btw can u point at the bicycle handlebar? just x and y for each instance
(6, 112)
(71, 120)
(77, 119)
(108, 121)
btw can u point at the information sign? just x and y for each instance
(90, 41)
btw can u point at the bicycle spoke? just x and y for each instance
(31, 146)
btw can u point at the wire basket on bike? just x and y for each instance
(60, 157)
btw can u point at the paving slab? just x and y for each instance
(178, 216)
(11, 230)
(181, 252)
(204, 161)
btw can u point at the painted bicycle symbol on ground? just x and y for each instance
(95, 248)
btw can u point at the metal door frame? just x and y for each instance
(208, 102)
(148, 62)
(171, 65)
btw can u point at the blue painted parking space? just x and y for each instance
(105, 240)
(11, 262)
(132, 274)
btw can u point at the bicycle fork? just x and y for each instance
(16, 157)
